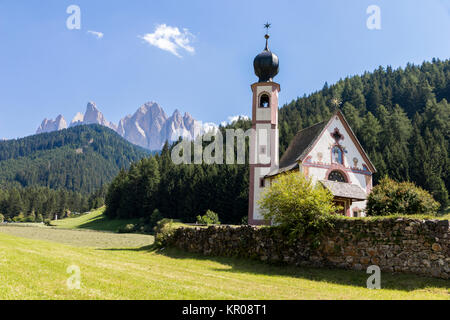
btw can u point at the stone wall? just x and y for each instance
(395, 245)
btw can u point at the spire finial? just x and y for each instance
(267, 26)
(266, 63)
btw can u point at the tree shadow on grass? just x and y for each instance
(103, 223)
(402, 282)
(149, 248)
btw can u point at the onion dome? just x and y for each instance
(266, 64)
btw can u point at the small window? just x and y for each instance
(355, 213)
(262, 150)
(337, 154)
(337, 176)
(264, 101)
(262, 183)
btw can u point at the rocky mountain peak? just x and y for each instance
(49, 125)
(91, 106)
(92, 116)
(177, 115)
(78, 119)
(148, 127)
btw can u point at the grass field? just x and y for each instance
(94, 220)
(34, 262)
(36, 269)
(80, 238)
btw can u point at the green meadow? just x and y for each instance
(94, 220)
(34, 262)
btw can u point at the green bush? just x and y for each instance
(164, 229)
(129, 228)
(19, 218)
(209, 218)
(2, 218)
(403, 198)
(295, 204)
(31, 217)
(48, 222)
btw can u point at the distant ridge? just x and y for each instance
(81, 158)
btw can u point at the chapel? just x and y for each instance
(328, 152)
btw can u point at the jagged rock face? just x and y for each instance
(49, 125)
(92, 116)
(143, 128)
(149, 127)
(176, 127)
(77, 120)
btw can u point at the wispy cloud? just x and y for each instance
(96, 34)
(170, 39)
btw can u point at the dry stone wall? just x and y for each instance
(395, 245)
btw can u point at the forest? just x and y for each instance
(401, 117)
(79, 159)
(179, 191)
(36, 204)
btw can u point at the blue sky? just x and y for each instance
(47, 69)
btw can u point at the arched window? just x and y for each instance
(337, 176)
(264, 101)
(337, 155)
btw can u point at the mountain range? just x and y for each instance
(149, 127)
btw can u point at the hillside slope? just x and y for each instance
(94, 220)
(82, 158)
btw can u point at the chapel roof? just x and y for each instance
(345, 190)
(299, 147)
(302, 144)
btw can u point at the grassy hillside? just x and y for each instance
(37, 270)
(81, 158)
(94, 220)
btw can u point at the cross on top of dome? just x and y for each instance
(266, 63)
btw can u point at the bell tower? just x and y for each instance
(264, 147)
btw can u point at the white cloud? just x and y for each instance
(170, 39)
(233, 119)
(96, 34)
(200, 128)
(210, 126)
